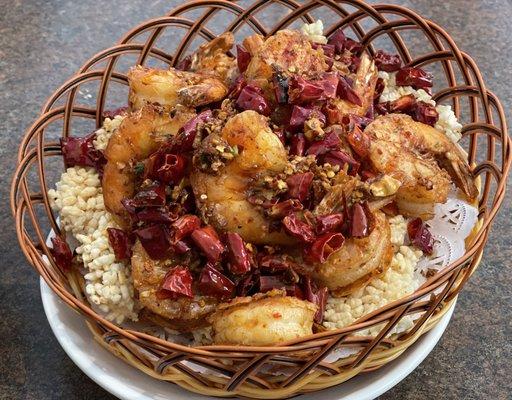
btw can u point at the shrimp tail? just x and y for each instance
(202, 93)
(460, 172)
(222, 43)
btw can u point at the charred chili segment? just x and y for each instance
(176, 283)
(419, 110)
(120, 242)
(243, 58)
(387, 62)
(281, 87)
(251, 98)
(420, 236)
(213, 283)
(415, 77)
(81, 152)
(62, 254)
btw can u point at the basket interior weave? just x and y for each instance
(163, 42)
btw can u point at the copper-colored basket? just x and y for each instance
(243, 371)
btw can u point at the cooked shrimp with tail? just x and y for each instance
(168, 88)
(139, 135)
(358, 260)
(213, 58)
(222, 196)
(423, 159)
(182, 313)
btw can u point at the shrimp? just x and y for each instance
(222, 199)
(263, 319)
(364, 80)
(183, 314)
(212, 58)
(253, 43)
(358, 260)
(287, 51)
(423, 159)
(139, 135)
(168, 88)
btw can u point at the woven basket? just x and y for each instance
(243, 371)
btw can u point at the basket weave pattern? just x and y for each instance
(243, 371)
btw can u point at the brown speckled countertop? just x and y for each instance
(44, 42)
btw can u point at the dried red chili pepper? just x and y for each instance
(354, 63)
(208, 242)
(238, 256)
(251, 98)
(328, 49)
(279, 132)
(425, 113)
(184, 140)
(300, 115)
(353, 46)
(391, 209)
(157, 214)
(62, 254)
(379, 88)
(324, 246)
(298, 228)
(349, 121)
(331, 141)
(248, 284)
(155, 240)
(415, 77)
(280, 88)
(329, 83)
(337, 39)
(151, 196)
(362, 220)
(272, 263)
(297, 145)
(120, 242)
(268, 283)
(387, 62)
(301, 90)
(359, 222)
(299, 184)
(214, 283)
(420, 236)
(184, 226)
(177, 282)
(340, 158)
(81, 151)
(236, 87)
(346, 92)
(180, 247)
(316, 296)
(166, 168)
(404, 104)
(329, 223)
(243, 58)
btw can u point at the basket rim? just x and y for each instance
(19, 207)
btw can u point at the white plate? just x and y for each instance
(128, 383)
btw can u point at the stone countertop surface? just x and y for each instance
(44, 42)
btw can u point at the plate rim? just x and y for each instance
(385, 378)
